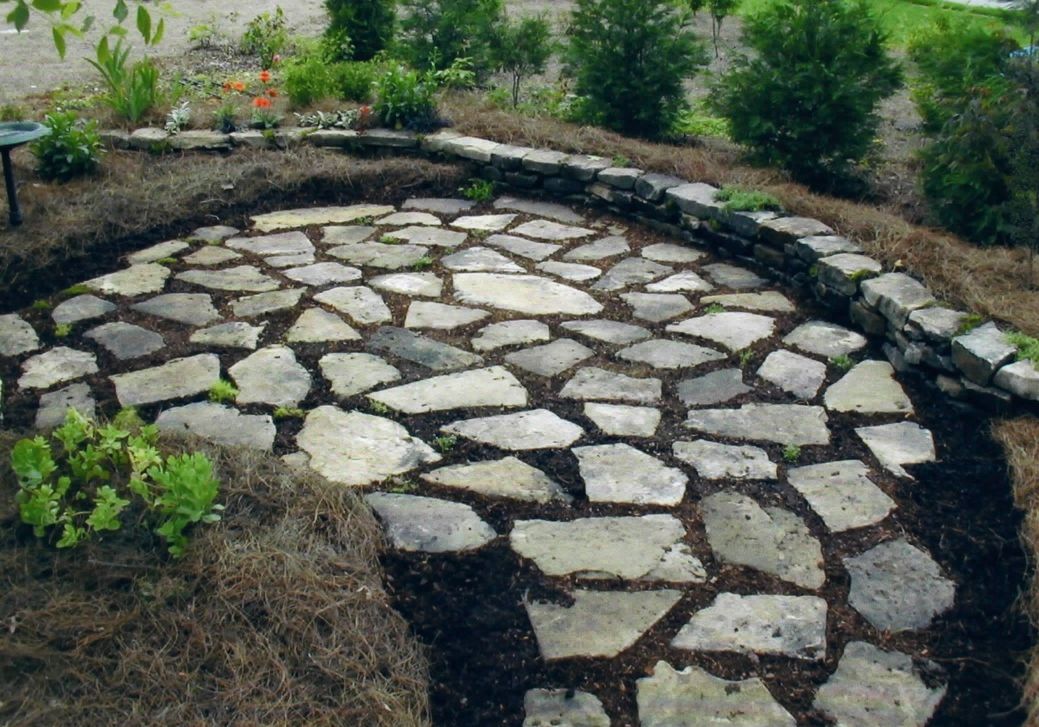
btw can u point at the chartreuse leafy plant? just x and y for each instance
(72, 149)
(737, 199)
(89, 479)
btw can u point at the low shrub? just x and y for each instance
(436, 33)
(266, 36)
(72, 149)
(404, 99)
(478, 190)
(308, 79)
(354, 81)
(225, 118)
(737, 199)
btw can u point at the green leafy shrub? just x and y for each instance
(843, 362)
(523, 49)
(436, 33)
(78, 484)
(354, 81)
(72, 149)
(307, 80)
(404, 99)
(806, 98)
(368, 24)
(266, 36)
(629, 59)
(737, 199)
(478, 190)
(132, 89)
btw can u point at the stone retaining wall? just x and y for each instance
(919, 334)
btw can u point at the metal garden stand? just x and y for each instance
(14, 134)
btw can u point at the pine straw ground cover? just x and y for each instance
(275, 616)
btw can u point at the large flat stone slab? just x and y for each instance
(316, 325)
(620, 420)
(81, 308)
(608, 331)
(210, 256)
(594, 384)
(793, 373)
(484, 223)
(551, 359)
(158, 252)
(263, 304)
(315, 216)
(657, 307)
(825, 339)
(1021, 378)
(508, 477)
(133, 281)
(523, 247)
(793, 626)
(174, 379)
(554, 211)
(842, 494)
(425, 285)
(421, 350)
(221, 424)
(716, 387)
(521, 431)
(716, 461)
(895, 445)
(350, 374)
(684, 282)
(771, 540)
(480, 260)
(55, 405)
(354, 448)
(56, 366)
(440, 205)
(667, 252)
(896, 295)
(430, 236)
(736, 331)
(192, 309)
(235, 334)
(346, 235)
(665, 354)
(647, 548)
(494, 386)
(378, 255)
(554, 231)
(733, 276)
(599, 623)
(510, 333)
(320, 274)
(126, 341)
(403, 219)
(283, 243)
(563, 708)
(242, 278)
(631, 271)
(437, 316)
(574, 272)
(429, 525)
(602, 249)
(528, 294)
(869, 388)
(981, 352)
(363, 305)
(768, 301)
(271, 376)
(16, 336)
(779, 423)
(621, 473)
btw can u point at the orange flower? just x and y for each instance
(262, 103)
(227, 87)
(272, 92)
(265, 76)
(238, 86)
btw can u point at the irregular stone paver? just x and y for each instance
(486, 223)
(716, 387)
(193, 309)
(444, 206)
(220, 424)
(599, 623)
(354, 448)
(350, 374)
(663, 354)
(767, 301)
(431, 236)
(898, 444)
(418, 349)
(242, 278)
(620, 420)
(574, 272)
(493, 386)
(125, 340)
(81, 308)
(133, 281)
(525, 430)
(311, 216)
(590, 384)
(284, 243)
(158, 252)
(214, 233)
(825, 339)
(787, 424)
(320, 274)
(608, 331)
(378, 255)
(426, 285)
(715, 461)
(771, 540)
(480, 260)
(176, 379)
(510, 333)
(263, 304)
(508, 477)
(599, 250)
(236, 334)
(657, 307)
(16, 336)
(290, 261)
(732, 276)
(316, 325)
(363, 305)
(665, 252)
(869, 388)
(429, 525)
(403, 219)
(551, 359)
(55, 366)
(735, 331)
(210, 256)
(876, 687)
(684, 282)
(842, 493)
(621, 473)
(693, 698)
(631, 271)
(54, 405)
(271, 376)
(527, 294)
(538, 208)
(549, 230)
(787, 625)
(422, 314)
(346, 235)
(647, 548)
(897, 586)
(524, 248)
(793, 373)
(563, 708)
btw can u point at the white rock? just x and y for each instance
(314, 216)
(316, 325)
(221, 424)
(236, 334)
(350, 374)
(522, 247)
(283, 243)
(480, 260)
(525, 430)
(551, 359)
(174, 379)
(134, 280)
(621, 473)
(363, 305)
(657, 307)
(510, 333)
(193, 309)
(735, 331)
(493, 386)
(869, 388)
(528, 294)
(55, 366)
(16, 336)
(590, 384)
(787, 424)
(825, 339)
(714, 461)
(426, 285)
(403, 219)
(271, 376)
(899, 444)
(486, 223)
(262, 304)
(429, 525)
(619, 420)
(320, 274)
(608, 331)
(54, 406)
(155, 253)
(243, 278)
(81, 308)
(767, 301)
(666, 252)
(548, 230)
(793, 373)
(664, 354)
(569, 271)
(683, 282)
(508, 477)
(437, 316)
(842, 494)
(599, 250)
(563, 708)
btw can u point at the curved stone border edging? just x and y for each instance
(919, 334)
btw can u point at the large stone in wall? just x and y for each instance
(896, 295)
(981, 352)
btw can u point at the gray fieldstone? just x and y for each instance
(210, 256)
(289, 261)
(647, 548)
(657, 307)
(714, 461)
(439, 205)
(716, 387)
(363, 305)
(735, 331)
(378, 255)
(684, 282)
(666, 252)
(133, 281)
(695, 199)
(484, 223)
(591, 384)
(771, 540)
(155, 253)
(221, 424)
(769, 301)
(350, 374)
(810, 249)
(125, 340)
(563, 708)
(508, 477)
(786, 424)
(16, 336)
(733, 276)
(980, 353)
(316, 325)
(608, 331)
(843, 272)
(599, 623)
(430, 236)
(521, 431)
(936, 324)
(263, 304)
(653, 186)
(692, 698)
(236, 334)
(527, 294)
(543, 161)
(602, 249)
(896, 295)
(553, 211)
(320, 274)
(524, 248)
(1020, 378)
(793, 373)
(898, 444)
(620, 177)
(842, 494)
(468, 147)
(192, 309)
(793, 626)
(494, 386)
(618, 420)
(552, 231)
(424, 351)
(631, 271)
(56, 366)
(664, 354)
(271, 376)
(242, 278)
(875, 687)
(348, 235)
(422, 314)
(574, 272)
(213, 234)
(283, 243)
(787, 230)
(429, 525)
(176, 379)
(551, 359)
(81, 308)
(54, 406)
(403, 219)
(869, 388)
(315, 216)
(353, 448)
(825, 339)
(621, 473)
(510, 333)
(898, 587)
(426, 285)
(480, 260)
